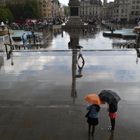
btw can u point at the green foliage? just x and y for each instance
(29, 9)
(5, 14)
(66, 10)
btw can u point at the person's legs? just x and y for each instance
(89, 128)
(93, 130)
(112, 123)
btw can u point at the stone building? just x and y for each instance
(90, 9)
(49, 9)
(55, 9)
(108, 8)
(135, 10)
(45, 8)
(122, 10)
(62, 11)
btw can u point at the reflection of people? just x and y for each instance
(80, 67)
(81, 56)
(112, 114)
(92, 117)
(138, 54)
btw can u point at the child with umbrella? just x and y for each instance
(93, 110)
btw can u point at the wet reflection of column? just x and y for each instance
(74, 69)
(74, 26)
(74, 41)
(1, 61)
(138, 47)
(9, 52)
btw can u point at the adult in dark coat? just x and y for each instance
(113, 107)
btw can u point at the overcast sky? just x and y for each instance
(66, 1)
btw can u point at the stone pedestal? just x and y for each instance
(74, 20)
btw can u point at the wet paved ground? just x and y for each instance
(36, 101)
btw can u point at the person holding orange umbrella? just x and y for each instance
(93, 110)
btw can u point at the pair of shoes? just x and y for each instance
(110, 129)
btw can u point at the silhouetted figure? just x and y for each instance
(138, 55)
(112, 30)
(34, 37)
(23, 39)
(92, 117)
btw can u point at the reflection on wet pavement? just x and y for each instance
(53, 67)
(36, 92)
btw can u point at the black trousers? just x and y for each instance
(92, 122)
(112, 123)
(89, 129)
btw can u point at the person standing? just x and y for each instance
(92, 117)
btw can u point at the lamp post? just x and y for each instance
(10, 41)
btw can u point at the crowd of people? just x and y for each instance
(36, 24)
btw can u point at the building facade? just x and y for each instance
(135, 10)
(107, 12)
(122, 10)
(90, 9)
(49, 9)
(45, 8)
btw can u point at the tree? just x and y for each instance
(5, 14)
(66, 10)
(28, 9)
(31, 9)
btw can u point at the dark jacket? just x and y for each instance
(113, 107)
(93, 111)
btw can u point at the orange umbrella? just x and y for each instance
(93, 99)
